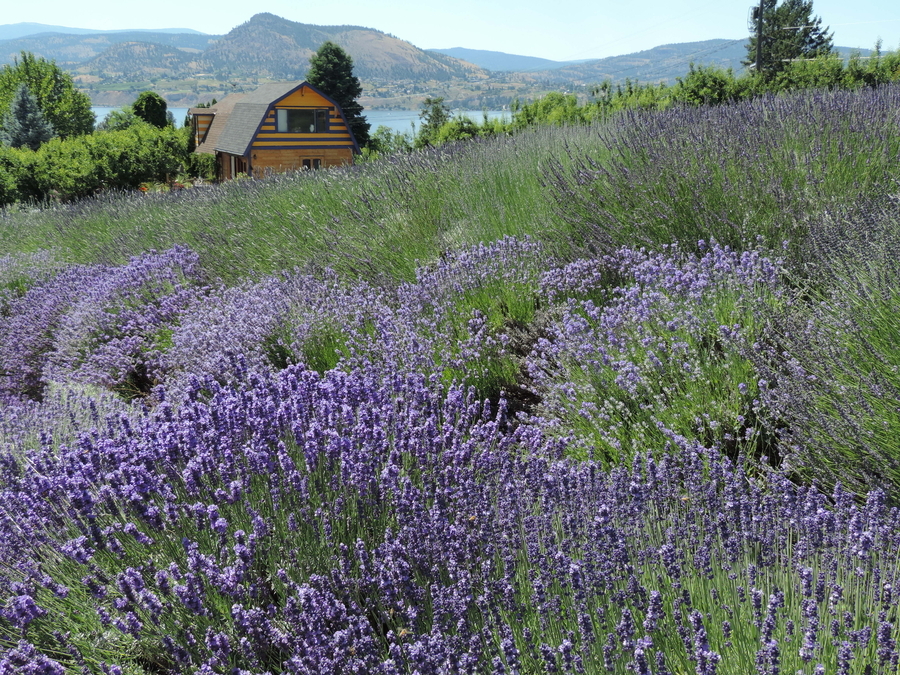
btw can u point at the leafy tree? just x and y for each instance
(458, 129)
(386, 141)
(152, 108)
(434, 114)
(331, 72)
(64, 107)
(554, 108)
(118, 120)
(77, 167)
(706, 84)
(789, 32)
(24, 124)
(11, 169)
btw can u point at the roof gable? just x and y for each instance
(221, 111)
(249, 113)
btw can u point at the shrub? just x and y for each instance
(707, 85)
(68, 169)
(11, 162)
(457, 129)
(554, 108)
(151, 107)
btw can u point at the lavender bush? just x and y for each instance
(378, 446)
(768, 166)
(834, 353)
(303, 523)
(96, 325)
(663, 353)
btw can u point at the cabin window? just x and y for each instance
(301, 121)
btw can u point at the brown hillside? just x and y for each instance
(269, 46)
(143, 60)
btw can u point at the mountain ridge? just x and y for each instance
(112, 67)
(11, 31)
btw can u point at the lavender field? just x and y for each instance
(611, 399)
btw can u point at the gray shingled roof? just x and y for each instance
(221, 110)
(247, 114)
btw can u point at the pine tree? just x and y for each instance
(434, 114)
(331, 72)
(789, 32)
(24, 123)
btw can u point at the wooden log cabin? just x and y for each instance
(278, 127)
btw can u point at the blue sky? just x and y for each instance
(553, 29)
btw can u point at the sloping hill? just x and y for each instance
(11, 31)
(269, 46)
(142, 60)
(661, 64)
(501, 61)
(77, 49)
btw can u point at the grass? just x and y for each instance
(376, 221)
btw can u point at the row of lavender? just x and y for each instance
(300, 474)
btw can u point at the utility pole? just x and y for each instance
(759, 38)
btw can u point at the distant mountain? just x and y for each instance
(266, 46)
(270, 46)
(68, 49)
(501, 61)
(112, 67)
(11, 31)
(664, 63)
(143, 60)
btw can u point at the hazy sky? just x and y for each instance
(553, 29)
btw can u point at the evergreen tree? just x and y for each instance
(66, 108)
(331, 72)
(434, 114)
(789, 32)
(23, 123)
(152, 108)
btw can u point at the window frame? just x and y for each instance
(319, 115)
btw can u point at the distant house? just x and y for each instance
(278, 127)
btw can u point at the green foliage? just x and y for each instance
(630, 95)
(331, 72)
(458, 129)
(386, 141)
(554, 108)
(11, 169)
(63, 106)
(67, 169)
(200, 165)
(152, 108)
(789, 32)
(710, 85)
(23, 123)
(434, 115)
(706, 84)
(119, 120)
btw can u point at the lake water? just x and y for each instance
(396, 120)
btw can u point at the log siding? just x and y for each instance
(249, 140)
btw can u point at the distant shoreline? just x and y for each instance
(396, 120)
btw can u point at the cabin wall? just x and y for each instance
(201, 126)
(229, 166)
(278, 160)
(336, 136)
(273, 151)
